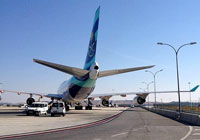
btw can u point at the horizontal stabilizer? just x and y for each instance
(119, 71)
(77, 72)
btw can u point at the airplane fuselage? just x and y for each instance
(78, 89)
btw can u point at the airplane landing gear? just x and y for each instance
(79, 107)
(89, 105)
(88, 108)
(66, 107)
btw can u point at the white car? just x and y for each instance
(37, 108)
(58, 108)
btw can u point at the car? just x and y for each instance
(37, 108)
(58, 108)
(132, 106)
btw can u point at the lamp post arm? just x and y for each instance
(157, 72)
(172, 47)
(150, 72)
(182, 46)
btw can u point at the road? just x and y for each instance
(133, 124)
(14, 121)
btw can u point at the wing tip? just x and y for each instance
(35, 60)
(194, 89)
(152, 66)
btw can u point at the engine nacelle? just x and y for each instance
(94, 70)
(29, 101)
(138, 100)
(105, 102)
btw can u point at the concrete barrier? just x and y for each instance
(190, 118)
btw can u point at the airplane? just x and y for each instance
(83, 81)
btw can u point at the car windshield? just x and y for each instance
(38, 105)
(57, 105)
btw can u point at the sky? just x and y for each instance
(59, 31)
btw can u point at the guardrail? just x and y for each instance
(190, 118)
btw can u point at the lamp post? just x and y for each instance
(1, 84)
(177, 72)
(147, 84)
(0, 88)
(143, 89)
(190, 94)
(154, 77)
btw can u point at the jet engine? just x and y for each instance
(30, 100)
(138, 100)
(105, 102)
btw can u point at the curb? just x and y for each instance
(99, 122)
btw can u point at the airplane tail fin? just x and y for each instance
(194, 89)
(90, 58)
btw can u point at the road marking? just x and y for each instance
(137, 129)
(119, 134)
(189, 132)
(196, 134)
(98, 139)
(196, 129)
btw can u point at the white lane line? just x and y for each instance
(189, 132)
(196, 134)
(119, 134)
(98, 139)
(196, 129)
(137, 129)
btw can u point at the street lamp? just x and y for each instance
(1, 84)
(176, 52)
(143, 89)
(154, 77)
(147, 84)
(0, 88)
(190, 94)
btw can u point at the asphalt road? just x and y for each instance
(12, 113)
(133, 124)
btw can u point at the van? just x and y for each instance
(58, 108)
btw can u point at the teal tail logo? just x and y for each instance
(90, 58)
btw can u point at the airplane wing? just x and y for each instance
(55, 96)
(137, 93)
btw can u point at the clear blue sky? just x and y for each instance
(59, 31)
